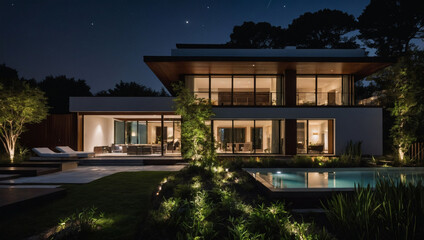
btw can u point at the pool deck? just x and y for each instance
(311, 196)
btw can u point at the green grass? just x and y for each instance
(124, 198)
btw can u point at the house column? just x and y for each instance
(291, 136)
(275, 143)
(162, 133)
(290, 87)
(80, 132)
(290, 124)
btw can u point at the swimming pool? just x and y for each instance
(330, 178)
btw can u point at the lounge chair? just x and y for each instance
(48, 153)
(68, 150)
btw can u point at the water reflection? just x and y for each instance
(335, 179)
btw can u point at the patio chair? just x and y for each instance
(66, 149)
(48, 153)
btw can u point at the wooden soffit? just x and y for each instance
(173, 68)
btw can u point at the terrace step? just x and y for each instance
(13, 199)
(111, 162)
(47, 164)
(8, 176)
(28, 171)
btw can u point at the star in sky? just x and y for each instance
(186, 22)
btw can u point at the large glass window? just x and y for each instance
(227, 90)
(315, 136)
(119, 132)
(302, 136)
(329, 90)
(266, 90)
(265, 132)
(131, 132)
(248, 136)
(139, 137)
(322, 90)
(221, 90)
(305, 90)
(142, 132)
(243, 137)
(223, 134)
(199, 85)
(172, 137)
(243, 91)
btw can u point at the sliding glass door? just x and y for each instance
(249, 136)
(315, 136)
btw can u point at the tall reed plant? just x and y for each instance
(391, 210)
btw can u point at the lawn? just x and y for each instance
(124, 198)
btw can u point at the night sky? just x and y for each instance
(104, 41)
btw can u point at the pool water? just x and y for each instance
(333, 178)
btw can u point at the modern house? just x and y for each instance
(266, 101)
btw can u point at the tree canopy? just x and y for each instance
(19, 107)
(132, 89)
(322, 29)
(403, 97)
(390, 25)
(257, 35)
(59, 89)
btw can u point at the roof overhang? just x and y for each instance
(122, 105)
(170, 69)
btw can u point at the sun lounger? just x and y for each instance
(48, 153)
(66, 149)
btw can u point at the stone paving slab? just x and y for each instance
(86, 174)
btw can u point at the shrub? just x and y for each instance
(393, 210)
(78, 224)
(204, 204)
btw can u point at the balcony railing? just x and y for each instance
(322, 98)
(237, 98)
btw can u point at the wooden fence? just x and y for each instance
(416, 151)
(55, 130)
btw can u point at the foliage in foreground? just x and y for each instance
(198, 203)
(195, 134)
(393, 210)
(78, 224)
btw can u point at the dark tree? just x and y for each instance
(323, 29)
(390, 25)
(365, 89)
(8, 77)
(257, 35)
(132, 89)
(59, 89)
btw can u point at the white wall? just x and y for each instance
(351, 123)
(98, 131)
